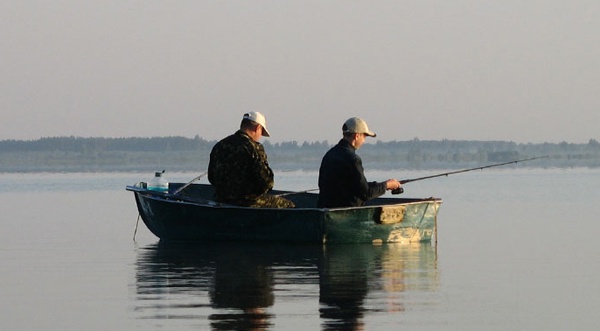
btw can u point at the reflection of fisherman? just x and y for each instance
(343, 283)
(238, 167)
(243, 286)
(245, 283)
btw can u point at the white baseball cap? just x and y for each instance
(357, 125)
(259, 118)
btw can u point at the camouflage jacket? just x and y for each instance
(238, 169)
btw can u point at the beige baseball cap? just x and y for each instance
(357, 125)
(259, 118)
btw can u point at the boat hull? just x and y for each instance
(194, 217)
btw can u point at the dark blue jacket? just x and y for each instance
(342, 181)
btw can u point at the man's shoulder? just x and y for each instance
(342, 149)
(234, 144)
(233, 139)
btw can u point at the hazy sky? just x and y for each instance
(518, 70)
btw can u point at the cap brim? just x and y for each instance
(265, 132)
(371, 134)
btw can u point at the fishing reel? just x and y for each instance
(398, 190)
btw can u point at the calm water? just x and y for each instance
(517, 250)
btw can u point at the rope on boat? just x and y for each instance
(136, 226)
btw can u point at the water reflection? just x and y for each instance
(350, 274)
(235, 286)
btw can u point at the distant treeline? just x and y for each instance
(192, 154)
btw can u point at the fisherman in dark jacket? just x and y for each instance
(238, 167)
(342, 181)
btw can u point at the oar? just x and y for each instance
(189, 183)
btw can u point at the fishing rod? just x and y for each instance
(296, 192)
(189, 183)
(404, 181)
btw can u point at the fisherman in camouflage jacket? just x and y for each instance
(238, 167)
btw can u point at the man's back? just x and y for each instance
(341, 179)
(238, 168)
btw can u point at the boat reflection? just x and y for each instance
(349, 274)
(236, 286)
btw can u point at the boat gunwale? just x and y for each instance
(180, 199)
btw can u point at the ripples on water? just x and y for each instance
(237, 286)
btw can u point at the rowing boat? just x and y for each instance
(193, 215)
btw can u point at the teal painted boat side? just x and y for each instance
(364, 224)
